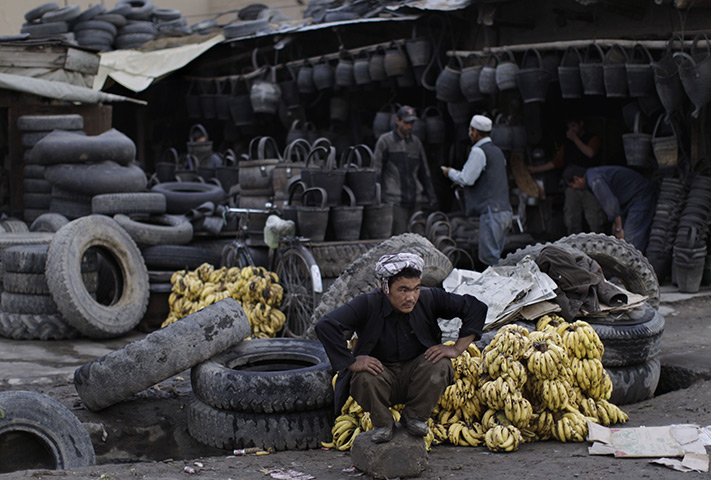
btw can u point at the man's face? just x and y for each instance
(403, 128)
(404, 293)
(473, 134)
(574, 126)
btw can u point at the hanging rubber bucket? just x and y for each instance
(569, 74)
(383, 118)
(344, 70)
(265, 93)
(501, 133)
(256, 172)
(638, 146)
(186, 169)
(165, 169)
(418, 49)
(295, 190)
(305, 78)
(614, 72)
(469, 79)
(532, 79)
(347, 219)
(361, 68)
(591, 70)
(319, 153)
(288, 168)
(395, 61)
(666, 149)
(487, 76)
(330, 177)
(506, 72)
(434, 123)
(377, 219)
(695, 74)
(419, 129)
(313, 219)
(666, 78)
(199, 144)
(324, 77)
(289, 89)
(447, 86)
(640, 76)
(361, 175)
(227, 173)
(240, 105)
(376, 67)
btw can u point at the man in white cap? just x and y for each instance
(400, 163)
(399, 357)
(486, 189)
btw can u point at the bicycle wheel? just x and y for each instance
(301, 278)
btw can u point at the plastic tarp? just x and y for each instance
(137, 70)
(58, 90)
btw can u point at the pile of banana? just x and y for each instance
(524, 387)
(256, 288)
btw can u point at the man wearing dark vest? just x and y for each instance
(486, 189)
(400, 162)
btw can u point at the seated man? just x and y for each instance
(399, 357)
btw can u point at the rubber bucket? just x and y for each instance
(688, 268)
(240, 106)
(532, 81)
(569, 74)
(615, 74)
(347, 220)
(255, 173)
(289, 167)
(469, 79)
(695, 74)
(666, 149)
(196, 146)
(640, 76)
(434, 124)
(313, 220)
(377, 219)
(165, 169)
(288, 210)
(506, 72)
(361, 68)
(667, 80)
(227, 174)
(591, 71)
(382, 119)
(447, 85)
(487, 76)
(637, 146)
(361, 176)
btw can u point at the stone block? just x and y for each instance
(404, 456)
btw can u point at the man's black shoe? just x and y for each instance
(383, 434)
(416, 428)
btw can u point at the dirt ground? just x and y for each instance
(687, 323)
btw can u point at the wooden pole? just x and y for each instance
(563, 44)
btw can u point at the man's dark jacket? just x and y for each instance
(366, 314)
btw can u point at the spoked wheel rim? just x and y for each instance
(299, 296)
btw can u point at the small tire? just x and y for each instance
(286, 431)
(62, 14)
(157, 229)
(41, 30)
(14, 225)
(117, 20)
(97, 178)
(64, 278)
(127, 203)
(25, 326)
(48, 222)
(178, 257)
(161, 354)
(266, 376)
(96, 25)
(61, 147)
(56, 428)
(37, 12)
(138, 27)
(28, 304)
(35, 123)
(634, 383)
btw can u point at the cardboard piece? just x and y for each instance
(667, 441)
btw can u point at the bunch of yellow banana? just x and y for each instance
(365, 422)
(463, 435)
(471, 410)
(588, 407)
(445, 417)
(545, 359)
(542, 424)
(602, 390)
(492, 418)
(511, 340)
(264, 319)
(518, 410)
(570, 427)
(503, 438)
(438, 432)
(345, 429)
(548, 335)
(494, 392)
(553, 394)
(581, 340)
(588, 372)
(609, 413)
(549, 322)
(467, 365)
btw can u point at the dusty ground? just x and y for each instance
(688, 324)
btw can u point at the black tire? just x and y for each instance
(36, 283)
(97, 178)
(533, 250)
(63, 194)
(37, 123)
(48, 222)
(140, 9)
(157, 229)
(634, 383)
(11, 239)
(28, 304)
(181, 197)
(32, 171)
(95, 35)
(29, 215)
(33, 259)
(37, 12)
(138, 27)
(62, 14)
(54, 426)
(36, 201)
(359, 277)
(286, 431)
(160, 276)
(132, 40)
(633, 338)
(96, 25)
(334, 259)
(21, 326)
(166, 14)
(41, 30)
(619, 259)
(89, 14)
(36, 185)
(161, 354)
(81, 310)
(178, 257)
(14, 225)
(30, 139)
(69, 147)
(127, 203)
(117, 20)
(266, 376)
(69, 208)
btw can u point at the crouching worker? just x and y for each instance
(399, 357)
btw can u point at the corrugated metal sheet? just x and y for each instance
(441, 5)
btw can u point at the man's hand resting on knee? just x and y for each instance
(366, 363)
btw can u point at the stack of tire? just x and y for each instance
(36, 190)
(170, 22)
(96, 27)
(139, 28)
(49, 20)
(672, 194)
(81, 166)
(273, 394)
(632, 339)
(28, 311)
